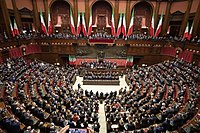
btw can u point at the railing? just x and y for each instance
(66, 46)
(54, 41)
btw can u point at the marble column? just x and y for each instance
(6, 17)
(185, 19)
(75, 11)
(196, 21)
(17, 16)
(166, 19)
(156, 13)
(46, 10)
(36, 15)
(87, 13)
(128, 13)
(116, 12)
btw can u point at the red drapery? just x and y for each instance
(15, 52)
(186, 56)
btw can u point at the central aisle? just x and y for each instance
(102, 119)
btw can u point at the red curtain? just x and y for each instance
(30, 49)
(186, 56)
(15, 52)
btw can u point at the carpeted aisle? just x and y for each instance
(102, 119)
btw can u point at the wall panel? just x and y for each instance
(194, 6)
(163, 6)
(40, 5)
(122, 6)
(25, 3)
(9, 4)
(179, 6)
(153, 59)
(112, 2)
(81, 5)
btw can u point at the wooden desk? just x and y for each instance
(101, 82)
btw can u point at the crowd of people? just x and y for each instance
(161, 97)
(99, 65)
(101, 35)
(44, 101)
(9, 122)
(9, 71)
(100, 95)
(134, 36)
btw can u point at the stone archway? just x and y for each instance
(60, 14)
(101, 17)
(143, 13)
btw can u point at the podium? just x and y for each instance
(101, 56)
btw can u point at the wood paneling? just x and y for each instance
(46, 57)
(59, 49)
(63, 49)
(153, 59)
(143, 50)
